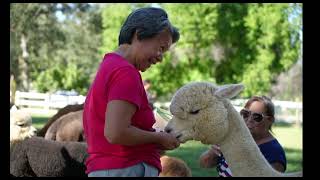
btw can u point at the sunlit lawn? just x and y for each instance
(289, 136)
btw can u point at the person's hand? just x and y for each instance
(215, 149)
(167, 141)
(208, 159)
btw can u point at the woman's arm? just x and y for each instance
(118, 129)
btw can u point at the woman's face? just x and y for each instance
(150, 51)
(257, 128)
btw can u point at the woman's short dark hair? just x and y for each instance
(148, 22)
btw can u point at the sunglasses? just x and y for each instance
(257, 117)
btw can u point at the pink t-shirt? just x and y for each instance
(117, 79)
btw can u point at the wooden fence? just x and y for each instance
(285, 111)
(43, 103)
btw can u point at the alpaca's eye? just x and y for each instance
(21, 125)
(194, 112)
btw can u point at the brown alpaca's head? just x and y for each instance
(174, 167)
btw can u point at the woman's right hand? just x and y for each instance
(209, 158)
(167, 141)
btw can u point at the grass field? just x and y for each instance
(289, 136)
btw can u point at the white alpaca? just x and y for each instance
(20, 126)
(203, 112)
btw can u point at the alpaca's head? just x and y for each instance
(199, 112)
(20, 126)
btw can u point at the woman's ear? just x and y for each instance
(135, 36)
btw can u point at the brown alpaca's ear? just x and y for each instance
(229, 91)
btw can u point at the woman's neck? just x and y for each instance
(124, 51)
(263, 138)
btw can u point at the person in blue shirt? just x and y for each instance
(258, 114)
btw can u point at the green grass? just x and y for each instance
(290, 138)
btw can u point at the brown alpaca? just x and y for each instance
(68, 127)
(174, 167)
(37, 157)
(61, 112)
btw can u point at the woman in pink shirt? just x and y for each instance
(117, 118)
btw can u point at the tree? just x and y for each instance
(230, 43)
(62, 54)
(28, 32)
(190, 59)
(113, 16)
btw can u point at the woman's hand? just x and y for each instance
(208, 159)
(167, 141)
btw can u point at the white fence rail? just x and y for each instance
(285, 111)
(45, 101)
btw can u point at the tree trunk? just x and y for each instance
(12, 89)
(23, 66)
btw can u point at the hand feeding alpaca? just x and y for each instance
(203, 112)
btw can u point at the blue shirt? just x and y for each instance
(273, 152)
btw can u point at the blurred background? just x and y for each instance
(56, 48)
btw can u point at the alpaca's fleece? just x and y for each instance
(39, 157)
(174, 167)
(203, 112)
(20, 126)
(68, 127)
(67, 109)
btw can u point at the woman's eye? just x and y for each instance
(194, 112)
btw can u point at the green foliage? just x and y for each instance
(276, 49)
(113, 16)
(220, 43)
(189, 59)
(62, 54)
(38, 25)
(68, 77)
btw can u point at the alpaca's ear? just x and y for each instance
(229, 91)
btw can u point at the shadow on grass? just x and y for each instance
(39, 122)
(294, 159)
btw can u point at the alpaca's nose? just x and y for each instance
(167, 129)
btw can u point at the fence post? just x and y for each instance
(17, 98)
(298, 123)
(46, 106)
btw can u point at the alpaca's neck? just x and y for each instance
(240, 150)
